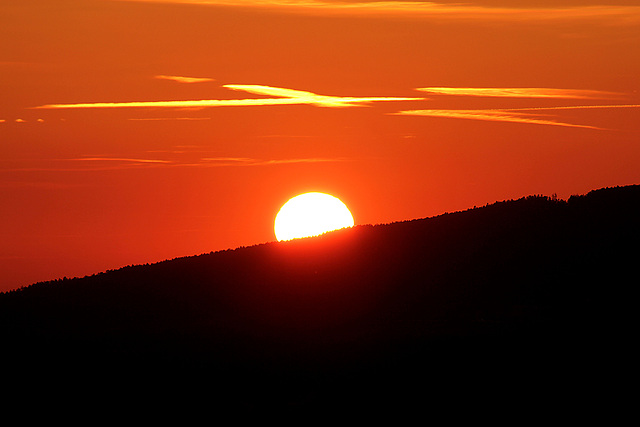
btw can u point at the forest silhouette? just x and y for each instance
(522, 304)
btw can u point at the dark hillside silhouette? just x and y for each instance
(520, 304)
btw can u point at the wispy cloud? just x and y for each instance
(434, 10)
(117, 159)
(286, 97)
(520, 92)
(106, 163)
(493, 116)
(245, 161)
(95, 163)
(521, 114)
(181, 79)
(574, 107)
(173, 104)
(22, 120)
(304, 97)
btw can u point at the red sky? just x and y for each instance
(107, 160)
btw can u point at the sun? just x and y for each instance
(311, 214)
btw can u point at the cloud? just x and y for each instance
(286, 97)
(227, 159)
(181, 79)
(574, 107)
(100, 163)
(432, 10)
(118, 159)
(21, 121)
(172, 104)
(244, 161)
(311, 98)
(106, 163)
(519, 92)
(491, 115)
(516, 115)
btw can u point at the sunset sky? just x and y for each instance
(134, 131)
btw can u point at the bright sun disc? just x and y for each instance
(311, 214)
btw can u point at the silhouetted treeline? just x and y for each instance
(502, 302)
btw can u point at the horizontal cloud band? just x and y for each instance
(182, 79)
(92, 164)
(520, 92)
(289, 97)
(434, 10)
(490, 115)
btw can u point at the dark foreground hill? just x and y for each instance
(522, 304)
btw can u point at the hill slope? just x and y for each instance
(486, 305)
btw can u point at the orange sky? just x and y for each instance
(136, 131)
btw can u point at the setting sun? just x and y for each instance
(311, 214)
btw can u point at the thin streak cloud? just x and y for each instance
(244, 161)
(288, 97)
(491, 115)
(574, 107)
(422, 9)
(174, 104)
(118, 159)
(311, 98)
(520, 92)
(181, 79)
(98, 164)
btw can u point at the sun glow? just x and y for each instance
(311, 214)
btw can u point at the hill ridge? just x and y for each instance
(516, 294)
(357, 226)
